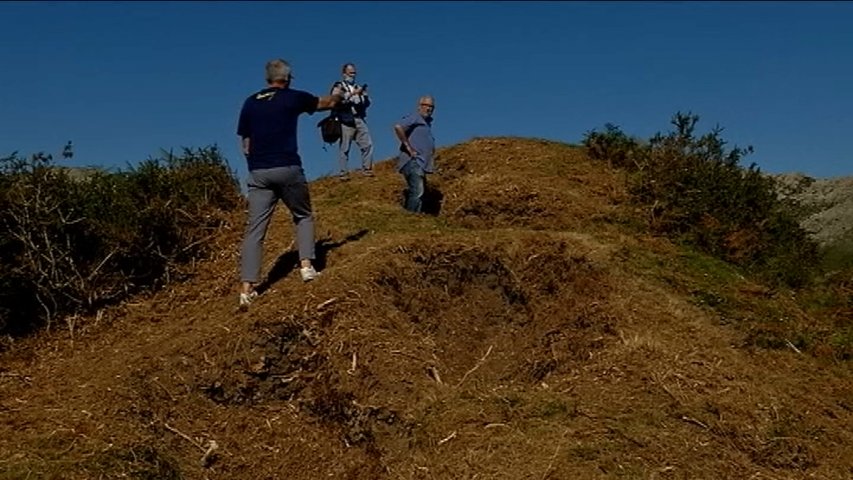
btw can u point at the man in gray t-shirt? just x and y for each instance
(417, 147)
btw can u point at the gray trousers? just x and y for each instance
(361, 135)
(266, 187)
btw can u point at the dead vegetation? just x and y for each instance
(525, 331)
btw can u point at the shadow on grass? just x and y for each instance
(289, 261)
(430, 202)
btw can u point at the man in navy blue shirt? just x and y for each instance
(267, 128)
(417, 148)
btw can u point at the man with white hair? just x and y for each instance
(267, 127)
(417, 148)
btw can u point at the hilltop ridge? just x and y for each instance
(526, 329)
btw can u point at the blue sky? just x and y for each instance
(124, 79)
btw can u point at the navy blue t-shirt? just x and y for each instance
(268, 119)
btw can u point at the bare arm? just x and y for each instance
(329, 102)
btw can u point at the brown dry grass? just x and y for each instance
(512, 336)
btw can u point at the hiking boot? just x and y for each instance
(343, 176)
(367, 172)
(308, 273)
(246, 299)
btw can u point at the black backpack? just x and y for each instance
(330, 128)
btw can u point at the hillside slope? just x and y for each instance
(526, 331)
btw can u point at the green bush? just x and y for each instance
(612, 146)
(695, 190)
(72, 245)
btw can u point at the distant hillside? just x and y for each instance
(82, 173)
(829, 202)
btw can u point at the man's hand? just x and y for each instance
(330, 101)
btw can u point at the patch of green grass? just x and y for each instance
(138, 462)
(534, 406)
(403, 222)
(707, 279)
(769, 319)
(555, 408)
(839, 255)
(778, 333)
(585, 451)
(51, 459)
(842, 344)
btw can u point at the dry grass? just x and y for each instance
(515, 335)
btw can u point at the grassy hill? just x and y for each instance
(527, 330)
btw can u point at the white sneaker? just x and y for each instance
(247, 298)
(308, 273)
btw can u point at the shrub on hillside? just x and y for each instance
(71, 245)
(612, 146)
(696, 190)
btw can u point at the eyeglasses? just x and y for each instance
(428, 105)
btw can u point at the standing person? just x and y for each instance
(267, 128)
(352, 112)
(417, 147)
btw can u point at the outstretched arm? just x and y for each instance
(329, 102)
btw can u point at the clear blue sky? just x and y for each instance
(124, 79)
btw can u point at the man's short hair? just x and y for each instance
(278, 71)
(344, 68)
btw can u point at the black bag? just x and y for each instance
(330, 128)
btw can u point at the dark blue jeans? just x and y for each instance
(416, 183)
